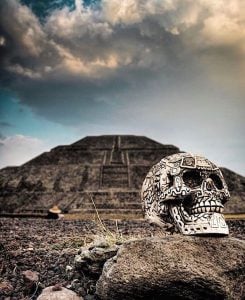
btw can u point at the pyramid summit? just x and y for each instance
(106, 171)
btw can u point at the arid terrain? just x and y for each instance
(47, 248)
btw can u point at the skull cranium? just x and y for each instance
(188, 191)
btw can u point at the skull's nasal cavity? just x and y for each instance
(210, 184)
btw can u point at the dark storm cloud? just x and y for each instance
(87, 63)
(68, 103)
(68, 67)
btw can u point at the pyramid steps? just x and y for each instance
(107, 170)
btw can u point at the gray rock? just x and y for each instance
(176, 267)
(60, 293)
(92, 258)
(99, 242)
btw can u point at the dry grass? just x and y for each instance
(132, 216)
(111, 237)
(234, 216)
(115, 216)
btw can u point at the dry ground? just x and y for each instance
(49, 246)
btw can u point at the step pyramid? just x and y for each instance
(104, 171)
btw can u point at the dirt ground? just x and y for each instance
(46, 249)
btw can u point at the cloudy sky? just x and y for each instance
(173, 70)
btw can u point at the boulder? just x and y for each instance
(176, 267)
(58, 293)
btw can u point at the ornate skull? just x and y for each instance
(188, 191)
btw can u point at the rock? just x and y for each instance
(176, 267)
(6, 287)
(99, 242)
(58, 293)
(69, 268)
(31, 276)
(92, 258)
(31, 280)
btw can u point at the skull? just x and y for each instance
(188, 191)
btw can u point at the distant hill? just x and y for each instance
(107, 170)
(236, 185)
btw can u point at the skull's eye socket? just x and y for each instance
(217, 181)
(192, 179)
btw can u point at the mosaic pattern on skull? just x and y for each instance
(188, 191)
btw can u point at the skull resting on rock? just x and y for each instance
(188, 191)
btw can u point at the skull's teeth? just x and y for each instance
(202, 209)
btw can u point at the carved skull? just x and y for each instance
(188, 191)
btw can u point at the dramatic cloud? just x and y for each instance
(15, 150)
(115, 45)
(172, 69)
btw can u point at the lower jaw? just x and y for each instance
(206, 224)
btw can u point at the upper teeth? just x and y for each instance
(202, 209)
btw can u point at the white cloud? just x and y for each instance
(18, 149)
(125, 12)
(18, 69)
(23, 27)
(100, 42)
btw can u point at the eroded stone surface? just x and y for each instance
(178, 267)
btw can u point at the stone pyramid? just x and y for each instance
(105, 172)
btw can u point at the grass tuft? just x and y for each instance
(111, 237)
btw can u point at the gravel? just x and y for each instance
(46, 249)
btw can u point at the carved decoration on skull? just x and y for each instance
(188, 191)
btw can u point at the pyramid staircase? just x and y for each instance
(97, 174)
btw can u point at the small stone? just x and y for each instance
(53, 293)
(6, 286)
(86, 254)
(57, 287)
(68, 268)
(75, 281)
(99, 243)
(29, 249)
(31, 276)
(92, 261)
